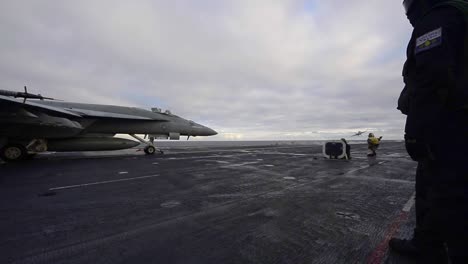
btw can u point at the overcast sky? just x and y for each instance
(250, 69)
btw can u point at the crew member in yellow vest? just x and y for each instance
(373, 144)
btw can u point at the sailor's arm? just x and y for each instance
(438, 47)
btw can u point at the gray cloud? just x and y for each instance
(250, 69)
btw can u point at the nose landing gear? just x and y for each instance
(150, 149)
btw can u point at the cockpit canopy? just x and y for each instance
(159, 111)
(156, 110)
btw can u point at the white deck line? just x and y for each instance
(102, 182)
(365, 167)
(409, 204)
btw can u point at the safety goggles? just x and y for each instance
(407, 5)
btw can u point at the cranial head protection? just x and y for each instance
(417, 9)
(407, 5)
(425, 5)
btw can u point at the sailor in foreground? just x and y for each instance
(373, 144)
(435, 100)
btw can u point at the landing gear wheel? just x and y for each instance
(150, 150)
(13, 152)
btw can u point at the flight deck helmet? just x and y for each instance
(371, 135)
(407, 4)
(425, 5)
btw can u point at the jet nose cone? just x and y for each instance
(211, 132)
(206, 131)
(200, 130)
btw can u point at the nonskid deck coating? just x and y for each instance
(262, 204)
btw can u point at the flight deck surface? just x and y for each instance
(281, 203)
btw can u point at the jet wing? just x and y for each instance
(102, 114)
(4, 100)
(70, 112)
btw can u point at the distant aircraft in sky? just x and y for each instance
(31, 124)
(359, 133)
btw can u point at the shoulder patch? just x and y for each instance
(428, 41)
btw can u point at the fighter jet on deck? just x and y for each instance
(359, 133)
(31, 124)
